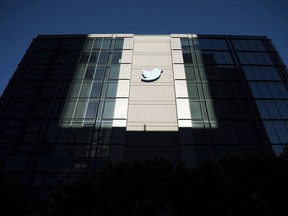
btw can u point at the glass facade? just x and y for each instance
(64, 113)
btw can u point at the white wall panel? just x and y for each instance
(176, 43)
(152, 47)
(128, 43)
(121, 108)
(152, 93)
(177, 56)
(123, 88)
(181, 88)
(126, 56)
(125, 71)
(179, 71)
(183, 109)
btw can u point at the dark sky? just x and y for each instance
(22, 20)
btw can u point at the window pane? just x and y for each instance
(91, 109)
(195, 110)
(281, 131)
(80, 72)
(89, 43)
(255, 91)
(96, 89)
(90, 72)
(109, 109)
(100, 72)
(114, 72)
(116, 57)
(187, 57)
(262, 109)
(119, 43)
(103, 58)
(75, 89)
(112, 89)
(272, 109)
(106, 43)
(80, 109)
(190, 73)
(271, 132)
(85, 90)
(192, 90)
(69, 109)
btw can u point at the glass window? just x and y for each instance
(255, 90)
(80, 72)
(271, 132)
(112, 89)
(264, 90)
(91, 108)
(100, 72)
(274, 73)
(272, 109)
(192, 90)
(195, 110)
(80, 109)
(187, 57)
(119, 43)
(185, 44)
(116, 57)
(75, 89)
(283, 90)
(98, 43)
(281, 131)
(106, 43)
(84, 57)
(267, 75)
(190, 73)
(96, 89)
(109, 109)
(114, 72)
(85, 90)
(282, 107)
(89, 43)
(103, 58)
(94, 57)
(262, 109)
(275, 92)
(69, 109)
(89, 75)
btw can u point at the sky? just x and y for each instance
(23, 20)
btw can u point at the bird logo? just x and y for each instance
(149, 76)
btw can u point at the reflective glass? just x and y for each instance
(275, 92)
(185, 44)
(84, 57)
(91, 109)
(271, 132)
(264, 90)
(89, 43)
(106, 43)
(100, 72)
(109, 109)
(255, 91)
(281, 131)
(98, 43)
(262, 109)
(190, 73)
(272, 109)
(114, 72)
(89, 75)
(80, 72)
(94, 57)
(96, 88)
(103, 58)
(192, 90)
(85, 90)
(195, 110)
(187, 57)
(116, 57)
(282, 107)
(80, 109)
(112, 89)
(119, 43)
(69, 109)
(75, 89)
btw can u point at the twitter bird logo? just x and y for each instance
(149, 76)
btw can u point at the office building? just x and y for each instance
(78, 101)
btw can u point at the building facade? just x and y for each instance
(78, 101)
